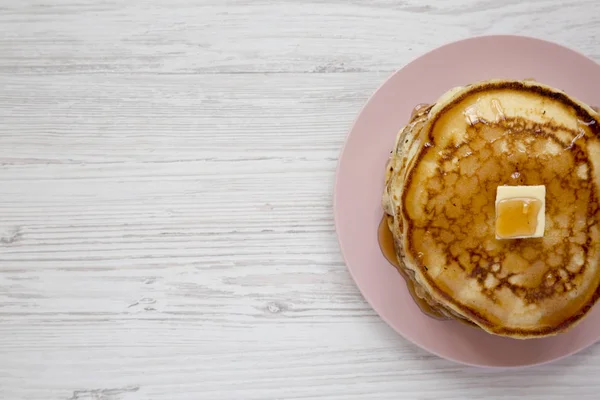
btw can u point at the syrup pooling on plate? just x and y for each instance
(386, 244)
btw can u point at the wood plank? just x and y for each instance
(234, 36)
(166, 171)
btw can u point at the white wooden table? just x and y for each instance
(166, 182)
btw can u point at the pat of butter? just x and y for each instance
(520, 212)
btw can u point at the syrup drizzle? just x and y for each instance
(386, 244)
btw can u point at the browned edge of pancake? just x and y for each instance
(469, 313)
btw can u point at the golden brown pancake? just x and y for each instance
(440, 193)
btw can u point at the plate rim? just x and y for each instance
(337, 217)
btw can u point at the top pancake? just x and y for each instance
(441, 190)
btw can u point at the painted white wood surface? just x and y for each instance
(166, 174)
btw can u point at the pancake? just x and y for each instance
(440, 191)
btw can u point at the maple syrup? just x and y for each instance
(517, 217)
(386, 244)
(418, 108)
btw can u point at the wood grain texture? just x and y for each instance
(166, 171)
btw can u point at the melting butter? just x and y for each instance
(520, 212)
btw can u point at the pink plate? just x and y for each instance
(359, 185)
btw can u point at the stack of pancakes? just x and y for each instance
(439, 200)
